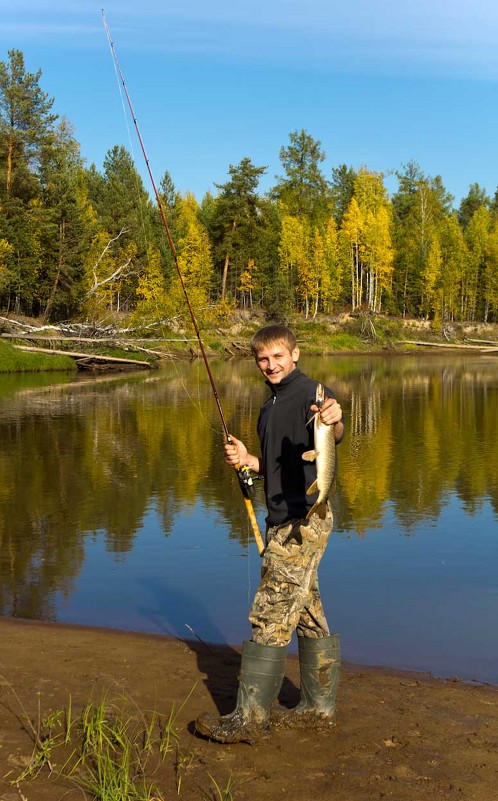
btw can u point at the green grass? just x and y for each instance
(110, 750)
(13, 360)
(345, 341)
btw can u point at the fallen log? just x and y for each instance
(91, 340)
(84, 359)
(241, 348)
(447, 345)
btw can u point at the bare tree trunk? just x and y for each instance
(224, 277)
(10, 150)
(225, 271)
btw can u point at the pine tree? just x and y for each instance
(5, 265)
(303, 189)
(26, 124)
(68, 224)
(475, 198)
(342, 190)
(121, 200)
(26, 135)
(235, 222)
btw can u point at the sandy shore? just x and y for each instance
(399, 735)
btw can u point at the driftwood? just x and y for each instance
(449, 346)
(241, 348)
(484, 341)
(83, 331)
(85, 360)
(93, 340)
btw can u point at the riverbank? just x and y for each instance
(346, 333)
(400, 735)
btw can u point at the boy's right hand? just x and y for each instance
(236, 452)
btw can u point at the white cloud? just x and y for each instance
(360, 35)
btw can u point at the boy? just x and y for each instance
(288, 597)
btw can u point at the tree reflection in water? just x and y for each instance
(111, 487)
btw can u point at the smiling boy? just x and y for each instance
(288, 596)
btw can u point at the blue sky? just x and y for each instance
(378, 83)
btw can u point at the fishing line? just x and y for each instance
(120, 83)
(243, 474)
(132, 151)
(196, 404)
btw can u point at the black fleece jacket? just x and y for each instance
(284, 436)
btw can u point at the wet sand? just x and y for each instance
(399, 735)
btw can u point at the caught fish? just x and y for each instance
(324, 454)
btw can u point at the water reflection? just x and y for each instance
(116, 508)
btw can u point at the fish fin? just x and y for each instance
(310, 456)
(318, 508)
(312, 418)
(312, 488)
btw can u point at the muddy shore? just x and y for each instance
(399, 735)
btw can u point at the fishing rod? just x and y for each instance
(243, 473)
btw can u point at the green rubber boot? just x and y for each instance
(319, 664)
(261, 675)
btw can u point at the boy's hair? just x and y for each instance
(272, 333)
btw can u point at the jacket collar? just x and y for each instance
(289, 379)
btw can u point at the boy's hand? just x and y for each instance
(330, 412)
(236, 452)
(237, 455)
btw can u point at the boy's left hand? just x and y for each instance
(330, 412)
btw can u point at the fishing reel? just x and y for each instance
(246, 480)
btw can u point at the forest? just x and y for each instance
(81, 243)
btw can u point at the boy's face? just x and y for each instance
(276, 361)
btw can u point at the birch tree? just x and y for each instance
(351, 250)
(476, 238)
(294, 268)
(151, 290)
(366, 234)
(195, 263)
(491, 276)
(420, 207)
(331, 278)
(453, 257)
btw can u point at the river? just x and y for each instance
(116, 508)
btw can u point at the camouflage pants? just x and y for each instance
(288, 597)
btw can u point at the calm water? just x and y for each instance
(116, 508)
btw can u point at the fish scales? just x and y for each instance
(324, 454)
